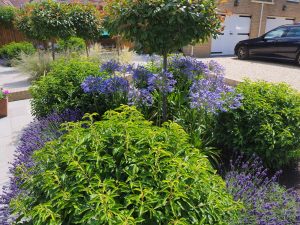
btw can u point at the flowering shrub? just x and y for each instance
(33, 137)
(3, 93)
(123, 170)
(192, 91)
(267, 123)
(265, 201)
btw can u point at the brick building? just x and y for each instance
(247, 19)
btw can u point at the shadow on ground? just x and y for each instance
(291, 177)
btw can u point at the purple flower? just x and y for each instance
(111, 66)
(213, 94)
(140, 97)
(164, 82)
(143, 78)
(97, 85)
(189, 66)
(6, 92)
(91, 84)
(114, 85)
(216, 68)
(33, 137)
(265, 201)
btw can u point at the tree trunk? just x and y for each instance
(87, 48)
(164, 97)
(53, 50)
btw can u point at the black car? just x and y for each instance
(281, 43)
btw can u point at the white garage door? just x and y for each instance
(273, 22)
(236, 28)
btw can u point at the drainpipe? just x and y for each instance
(192, 51)
(261, 16)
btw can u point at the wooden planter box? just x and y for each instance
(3, 107)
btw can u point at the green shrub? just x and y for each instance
(14, 49)
(268, 123)
(73, 44)
(60, 88)
(7, 15)
(123, 170)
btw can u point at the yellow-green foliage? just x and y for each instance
(123, 170)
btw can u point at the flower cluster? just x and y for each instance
(140, 97)
(164, 82)
(91, 84)
(265, 201)
(33, 137)
(213, 94)
(113, 66)
(216, 68)
(98, 85)
(110, 66)
(3, 93)
(143, 78)
(189, 66)
(203, 84)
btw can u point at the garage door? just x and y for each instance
(273, 22)
(236, 28)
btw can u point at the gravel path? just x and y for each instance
(260, 70)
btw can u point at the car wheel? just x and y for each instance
(298, 59)
(243, 52)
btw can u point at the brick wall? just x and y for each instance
(247, 7)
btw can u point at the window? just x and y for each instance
(293, 32)
(277, 33)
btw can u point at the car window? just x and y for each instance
(293, 32)
(277, 33)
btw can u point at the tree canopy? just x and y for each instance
(52, 20)
(162, 26)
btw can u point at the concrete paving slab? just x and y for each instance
(16, 82)
(10, 128)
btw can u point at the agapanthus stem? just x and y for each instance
(164, 94)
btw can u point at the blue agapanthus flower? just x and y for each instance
(98, 85)
(213, 95)
(113, 85)
(111, 66)
(143, 78)
(91, 84)
(164, 82)
(189, 66)
(140, 97)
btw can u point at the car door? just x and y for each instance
(287, 47)
(265, 46)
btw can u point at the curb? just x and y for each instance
(19, 95)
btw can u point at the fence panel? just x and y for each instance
(8, 35)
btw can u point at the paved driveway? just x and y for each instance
(260, 70)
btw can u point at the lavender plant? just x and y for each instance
(33, 137)
(265, 201)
